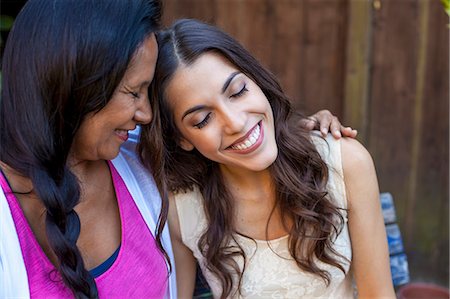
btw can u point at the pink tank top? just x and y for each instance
(139, 270)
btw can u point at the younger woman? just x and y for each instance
(267, 209)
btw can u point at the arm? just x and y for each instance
(324, 121)
(366, 226)
(185, 262)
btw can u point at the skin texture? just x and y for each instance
(246, 174)
(97, 140)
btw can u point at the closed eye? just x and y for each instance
(204, 122)
(134, 94)
(241, 92)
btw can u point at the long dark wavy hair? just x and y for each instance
(63, 60)
(299, 173)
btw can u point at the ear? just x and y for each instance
(186, 145)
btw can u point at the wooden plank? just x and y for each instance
(404, 77)
(250, 22)
(392, 92)
(199, 9)
(323, 55)
(357, 67)
(416, 124)
(431, 223)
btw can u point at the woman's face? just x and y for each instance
(102, 133)
(223, 114)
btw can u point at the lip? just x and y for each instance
(254, 146)
(122, 136)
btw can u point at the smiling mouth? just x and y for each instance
(122, 134)
(250, 140)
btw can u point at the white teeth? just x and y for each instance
(249, 141)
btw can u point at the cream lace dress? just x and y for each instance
(269, 274)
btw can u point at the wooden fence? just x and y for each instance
(382, 67)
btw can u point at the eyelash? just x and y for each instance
(241, 92)
(134, 94)
(204, 122)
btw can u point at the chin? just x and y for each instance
(267, 162)
(110, 155)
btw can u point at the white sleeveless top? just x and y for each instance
(270, 270)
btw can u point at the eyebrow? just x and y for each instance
(228, 81)
(139, 85)
(193, 109)
(224, 87)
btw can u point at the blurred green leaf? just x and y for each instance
(6, 22)
(446, 4)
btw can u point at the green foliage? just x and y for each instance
(446, 4)
(6, 22)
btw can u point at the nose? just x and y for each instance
(234, 120)
(144, 112)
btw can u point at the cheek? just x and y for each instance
(206, 142)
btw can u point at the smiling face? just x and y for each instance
(223, 114)
(102, 133)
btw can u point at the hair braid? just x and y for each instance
(59, 196)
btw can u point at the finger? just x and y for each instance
(354, 133)
(336, 127)
(308, 123)
(336, 134)
(325, 123)
(348, 132)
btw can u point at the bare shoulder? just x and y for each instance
(359, 176)
(370, 255)
(355, 157)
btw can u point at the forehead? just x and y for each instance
(143, 63)
(201, 80)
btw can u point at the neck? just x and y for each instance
(256, 213)
(94, 178)
(250, 186)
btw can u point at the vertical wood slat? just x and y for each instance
(397, 129)
(431, 223)
(323, 55)
(356, 95)
(417, 117)
(391, 96)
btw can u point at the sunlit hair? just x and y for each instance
(299, 173)
(63, 60)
